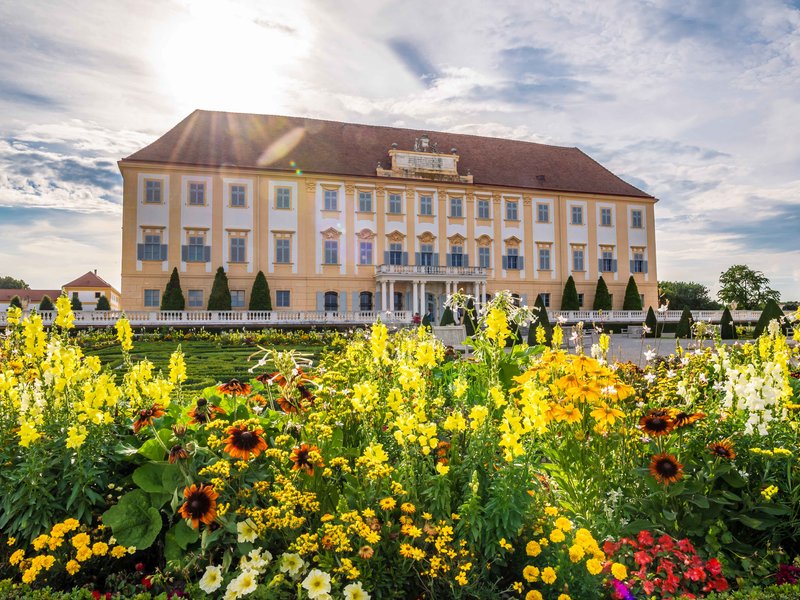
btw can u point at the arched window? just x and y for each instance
(365, 301)
(331, 301)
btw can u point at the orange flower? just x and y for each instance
(723, 449)
(176, 453)
(366, 552)
(146, 417)
(242, 442)
(681, 419)
(200, 505)
(235, 388)
(656, 422)
(203, 412)
(302, 461)
(666, 468)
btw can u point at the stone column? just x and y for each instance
(384, 297)
(391, 295)
(415, 301)
(423, 302)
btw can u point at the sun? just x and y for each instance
(226, 56)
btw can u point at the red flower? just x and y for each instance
(648, 586)
(645, 538)
(685, 545)
(146, 582)
(696, 573)
(96, 595)
(720, 584)
(610, 547)
(642, 558)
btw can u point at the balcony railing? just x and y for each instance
(429, 270)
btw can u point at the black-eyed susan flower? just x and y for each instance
(682, 418)
(235, 388)
(666, 468)
(204, 411)
(146, 416)
(304, 459)
(656, 422)
(176, 453)
(243, 442)
(200, 505)
(723, 449)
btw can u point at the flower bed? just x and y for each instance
(396, 470)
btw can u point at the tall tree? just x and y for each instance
(172, 298)
(15, 301)
(102, 303)
(686, 294)
(749, 289)
(570, 301)
(46, 304)
(220, 297)
(602, 299)
(10, 283)
(259, 296)
(633, 301)
(542, 319)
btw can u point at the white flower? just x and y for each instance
(211, 579)
(670, 374)
(561, 319)
(650, 378)
(292, 564)
(649, 355)
(244, 584)
(664, 307)
(247, 531)
(317, 583)
(354, 591)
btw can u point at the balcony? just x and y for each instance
(429, 272)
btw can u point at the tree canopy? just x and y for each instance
(686, 294)
(747, 288)
(8, 282)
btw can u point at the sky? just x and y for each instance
(694, 102)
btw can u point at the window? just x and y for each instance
(331, 252)
(543, 213)
(483, 209)
(282, 299)
(365, 201)
(237, 298)
(578, 263)
(512, 211)
(545, 299)
(607, 261)
(395, 204)
(426, 205)
(331, 199)
(605, 217)
(195, 298)
(238, 254)
(636, 219)
(365, 301)
(238, 196)
(331, 301)
(152, 247)
(512, 258)
(426, 255)
(283, 198)
(396, 253)
(638, 264)
(577, 215)
(580, 300)
(484, 257)
(196, 248)
(544, 259)
(365, 253)
(197, 194)
(456, 207)
(283, 251)
(152, 191)
(152, 298)
(456, 256)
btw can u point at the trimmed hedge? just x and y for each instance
(633, 301)
(602, 299)
(773, 592)
(570, 300)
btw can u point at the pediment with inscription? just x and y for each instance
(513, 242)
(331, 233)
(484, 240)
(396, 236)
(457, 239)
(365, 234)
(426, 237)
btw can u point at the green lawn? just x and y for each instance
(207, 363)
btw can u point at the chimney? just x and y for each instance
(95, 271)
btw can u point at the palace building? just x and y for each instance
(348, 217)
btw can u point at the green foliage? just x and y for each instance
(771, 312)
(102, 303)
(470, 317)
(8, 283)
(172, 298)
(569, 300)
(46, 304)
(747, 288)
(773, 592)
(726, 327)
(426, 321)
(540, 319)
(133, 520)
(447, 317)
(686, 294)
(633, 301)
(76, 302)
(220, 298)
(684, 329)
(652, 324)
(15, 301)
(602, 299)
(259, 296)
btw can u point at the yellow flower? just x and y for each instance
(564, 597)
(119, 551)
(576, 553)
(497, 326)
(13, 315)
(73, 567)
(564, 524)
(557, 536)
(442, 469)
(16, 557)
(607, 415)
(124, 334)
(40, 542)
(65, 316)
(76, 435)
(533, 548)
(530, 573)
(550, 511)
(80, 540)
(460, 387)
(548, 575)
(619, 571)
(387, 503)
(594, 566)
(408, 508)
(100, 549)
(534, 595)
(177, 367)
(477, 416)
(84, 553)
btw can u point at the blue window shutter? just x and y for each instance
(184, 253)
(521, 262)
(343, 301)
(449, 259)
(320, 301)
(523, 300)
(644, 266)
(163, 252)
(386, 257)
(407, 301)
(435, 259)
(633, 266)
(417, 260)
(599, 265)
(505, 261)
(465, 260)
(405, 258)
(140, 251)
(356, 301)
(206, 253)
(614, 266)
(376, 303)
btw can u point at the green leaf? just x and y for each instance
(699, 501)
(750, 521)
(133, 521)
(183, 534)
(669, 515)
(158, 478)
(153, 450)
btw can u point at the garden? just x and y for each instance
(390, 467)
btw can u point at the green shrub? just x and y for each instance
(76, 302)
(773, 592)
(771, 312)
(102, 303)
(633, 301)
(470, 317)
(602, 299)
(570, 301)
(540, 318)
(220, 298)
(726, 327)
(652, 323)
(684, 329)
(46, 304)
(15, 301)
(447, 317)
(259, 297)
(172, 298)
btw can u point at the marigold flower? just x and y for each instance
(549, 575)
(619, 571)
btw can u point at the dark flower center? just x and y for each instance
(302, 457)
(245, 440)
(666, 468)
(198, 505)
(657, 424)
(201, 402)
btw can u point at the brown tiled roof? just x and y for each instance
(89, 280)
(216, 139)
(30, 296)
